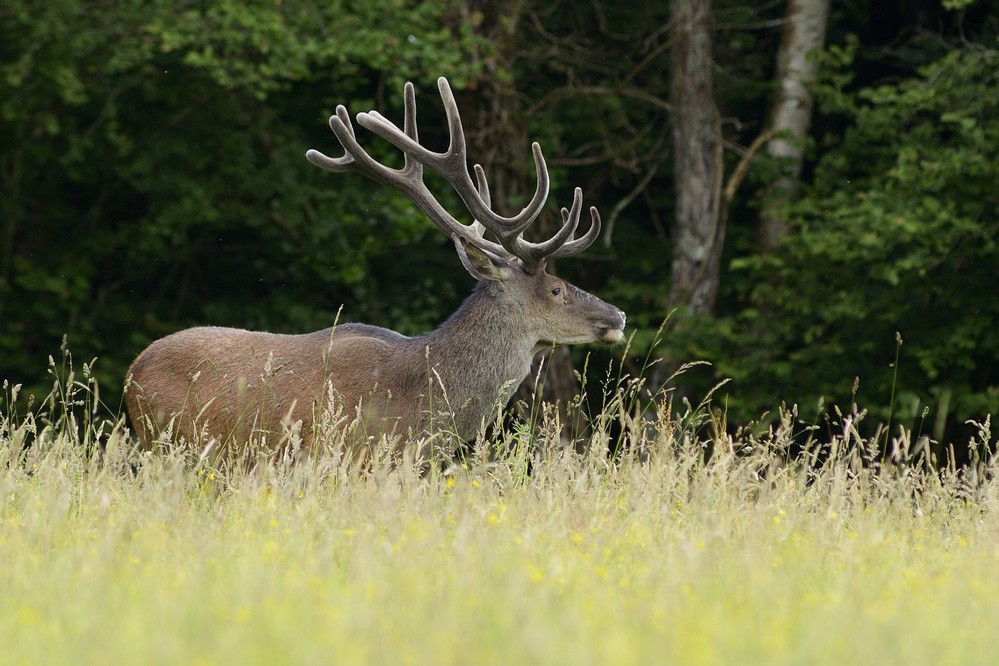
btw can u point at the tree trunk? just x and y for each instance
(791, 115)
(697, 162)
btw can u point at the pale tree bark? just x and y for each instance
(791, 115)
(697, 160)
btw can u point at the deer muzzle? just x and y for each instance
(613, 330)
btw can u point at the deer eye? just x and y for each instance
(556, 291)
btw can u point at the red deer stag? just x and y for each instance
(238, 386)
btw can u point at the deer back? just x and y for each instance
(236, 385)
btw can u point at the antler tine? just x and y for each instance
(339, 122)
(570, 220)
(483, 187)
(534, 207)
(409, 117)
(578, 245)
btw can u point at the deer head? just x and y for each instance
(559, 312)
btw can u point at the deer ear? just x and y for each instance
(480, 264)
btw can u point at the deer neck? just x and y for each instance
(479, 355)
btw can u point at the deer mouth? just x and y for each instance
(611, 336)
(613, 331)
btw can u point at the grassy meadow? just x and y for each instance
(525, 552)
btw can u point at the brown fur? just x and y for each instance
(237, 386)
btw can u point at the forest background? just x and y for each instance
(152, 177)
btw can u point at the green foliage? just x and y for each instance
(897, 234)
(153, 170)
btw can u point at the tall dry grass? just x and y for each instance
(690, 546)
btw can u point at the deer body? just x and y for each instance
(236, 386)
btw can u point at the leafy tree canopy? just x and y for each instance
(895, 242)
